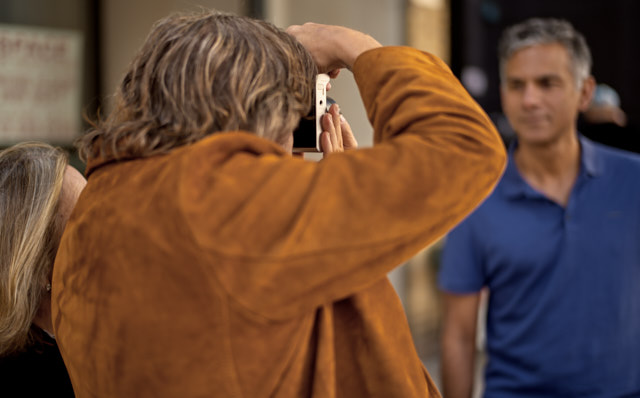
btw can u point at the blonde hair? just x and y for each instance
(31, 176)
(200, 74)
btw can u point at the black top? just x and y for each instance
(36, 372)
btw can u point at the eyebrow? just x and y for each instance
(551, 76)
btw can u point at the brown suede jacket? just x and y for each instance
(229, 268)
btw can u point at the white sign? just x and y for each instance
(40, 84)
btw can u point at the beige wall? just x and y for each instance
(126, 23)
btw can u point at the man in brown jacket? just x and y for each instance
(203, 260)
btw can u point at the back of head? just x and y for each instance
(200, 74)
(31, 177)
(539, 31)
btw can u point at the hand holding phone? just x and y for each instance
(337, 135)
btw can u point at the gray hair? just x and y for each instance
(537, 31)
(204, 73)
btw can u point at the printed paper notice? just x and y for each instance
(40, 84)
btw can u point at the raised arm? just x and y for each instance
(337, 226)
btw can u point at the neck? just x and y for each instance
(550, 168)
(43, 316)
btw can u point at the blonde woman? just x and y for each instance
(37, 192)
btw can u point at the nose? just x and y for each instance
(530, 96)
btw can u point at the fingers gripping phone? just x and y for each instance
(306, 137)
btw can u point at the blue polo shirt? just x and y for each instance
(564, 309)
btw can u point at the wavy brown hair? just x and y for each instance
(31, 176)
(200, 74)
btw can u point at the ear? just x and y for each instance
(586, 93)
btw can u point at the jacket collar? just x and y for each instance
(226, 143)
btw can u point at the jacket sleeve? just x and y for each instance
(285, 236)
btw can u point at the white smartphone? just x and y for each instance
(306, 137)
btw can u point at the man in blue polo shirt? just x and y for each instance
(557, 244)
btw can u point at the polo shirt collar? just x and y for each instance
(514, 186)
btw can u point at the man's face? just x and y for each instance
(539, 94)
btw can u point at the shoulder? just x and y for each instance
(614, 160)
